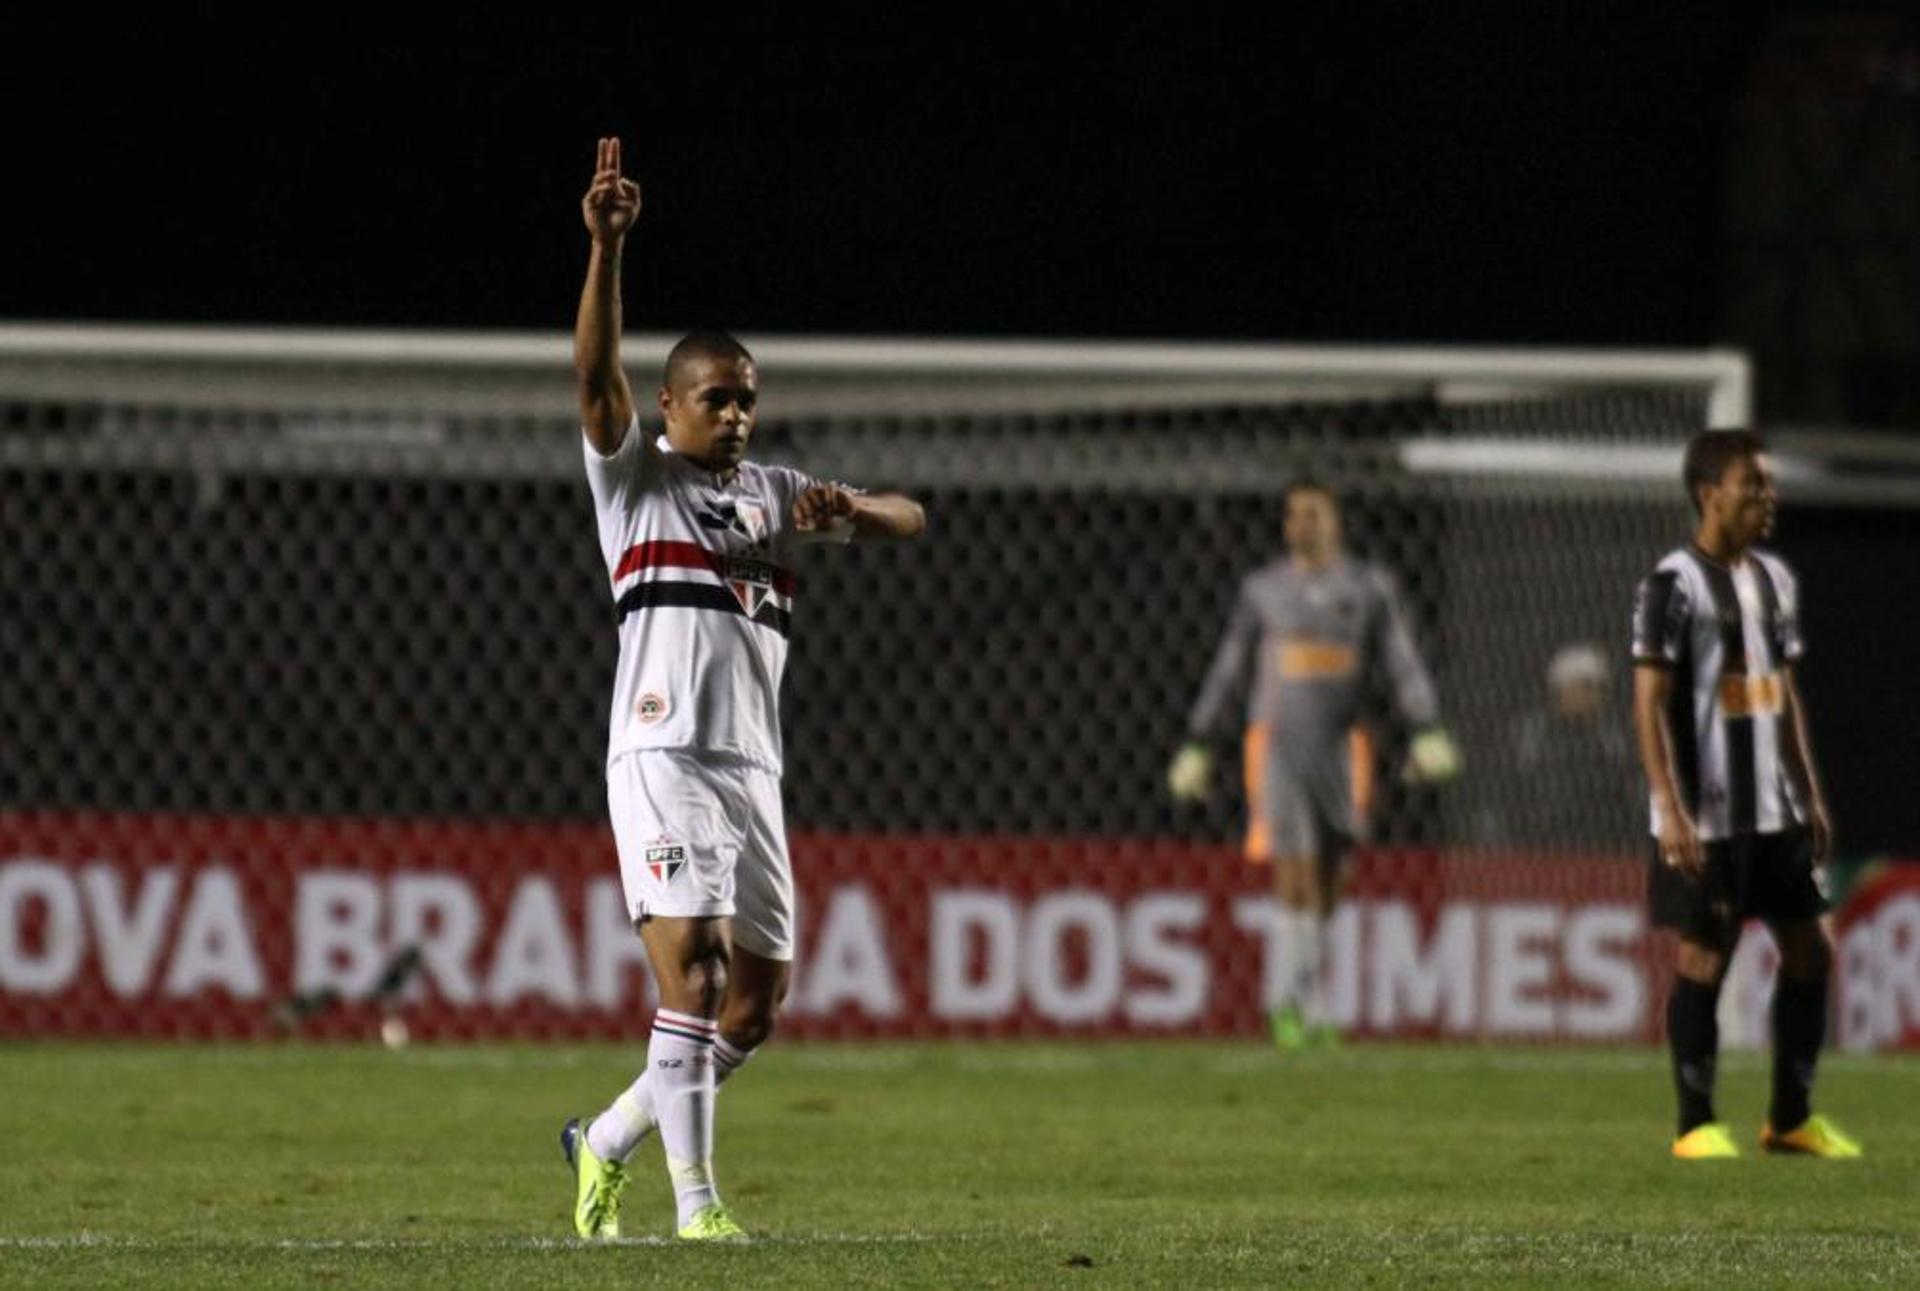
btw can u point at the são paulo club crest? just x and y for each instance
(665, 859)
(751, 581)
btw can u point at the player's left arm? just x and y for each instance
(1797, 747)
(824, 508)
(1432, 755)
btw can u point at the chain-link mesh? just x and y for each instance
(274, 640)
(217, 610)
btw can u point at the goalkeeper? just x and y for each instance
(1310, 632)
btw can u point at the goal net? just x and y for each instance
(308, 652)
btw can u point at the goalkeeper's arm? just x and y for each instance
(1432, 756)
(1190, 774)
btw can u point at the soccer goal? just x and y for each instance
(335, 576)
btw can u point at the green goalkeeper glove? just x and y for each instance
(1190, 774)
(1432, 758)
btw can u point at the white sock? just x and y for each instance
(617, 1132)
(1285, 980)
(727, 1059)
(680, 1075)
(1312, 941)
(1300, 948)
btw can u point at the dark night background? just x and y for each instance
(1548, 174)
(1591, 175)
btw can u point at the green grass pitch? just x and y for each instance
(1003, 1164)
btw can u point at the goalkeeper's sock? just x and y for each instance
(1285, 980)
(617, 1132)
(680, 1067)
(1310, 930)
(1799, 1028)
(1693, 1034)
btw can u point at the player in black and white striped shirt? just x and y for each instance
(1739, 820)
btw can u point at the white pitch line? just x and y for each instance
(96, 1241)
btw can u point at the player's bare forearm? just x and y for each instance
(1801, 766)
(887, 515)
(609, 209)
(1651, 687)
(606, 401)
(1799, 745)
(1679, 839)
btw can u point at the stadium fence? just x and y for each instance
(308, 651)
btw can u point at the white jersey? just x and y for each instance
(703, 591)
(1728, 633)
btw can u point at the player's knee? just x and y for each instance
(749, 1018)
(704, 980)
(1293, 883)
(1806, 954)
(749, 1028)
(1702, 964)
(1324, 896)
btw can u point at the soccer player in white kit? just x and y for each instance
(698, 545)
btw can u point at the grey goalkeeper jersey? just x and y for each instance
(1310, 643)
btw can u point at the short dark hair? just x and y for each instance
(1710, 454)
(1307, 484)
(694, 346)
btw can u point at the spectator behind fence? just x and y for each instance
(1569, 760)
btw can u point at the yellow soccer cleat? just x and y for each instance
(1709, 1142)
(1289, 1029)
(712, 1224)
(597, 1185)
(1814, 1137)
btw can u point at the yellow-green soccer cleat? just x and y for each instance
(1709, 1142)
(712, 1224)
(1814, 1137)
(1289, 1029)
(598, 1185)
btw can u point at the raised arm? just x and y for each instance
(609, 209)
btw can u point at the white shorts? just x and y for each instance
(704, 837)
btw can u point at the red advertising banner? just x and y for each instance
(217, 926)
(1877, 1004)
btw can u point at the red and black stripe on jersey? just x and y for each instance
(737, 573)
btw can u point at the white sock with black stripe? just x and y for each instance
(680, 1068)
(616, 1133)
(727, 1059)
